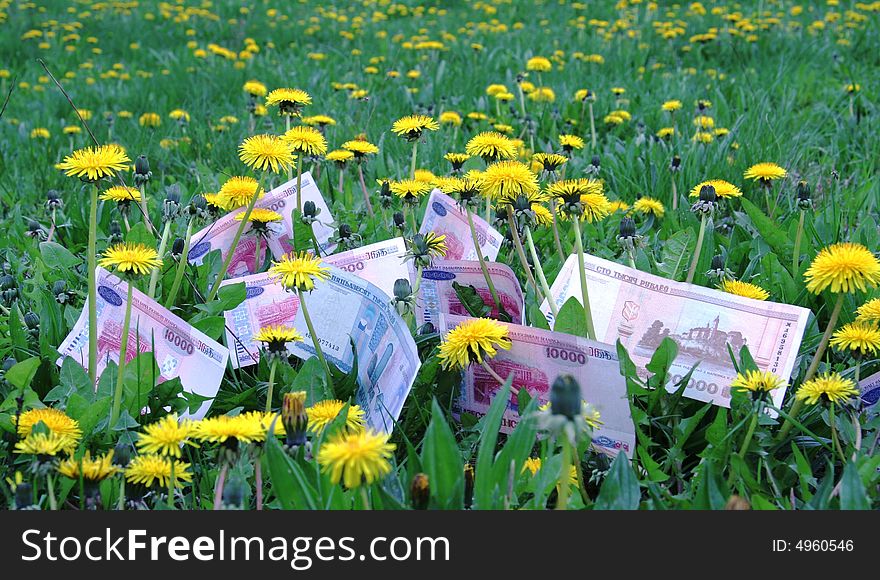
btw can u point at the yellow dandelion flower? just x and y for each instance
(861, 337)
(411, 127)
(844, 267)
(764, 172)
(56, 421)
(550, 162)
(539, 64)
(339, 156)
(648, 205)
(238, 191)
(266, 153)
(323, 413)
(450, 118)
(92, 470)
(149, 470)
(306, 140)
(723, 189)
(671, 106)
(869, 311)
(299, 271)
(94, 163)
(288, 101)
(255, 88)
(133, 258)
(244, 428)
(504, 180)
(756, 381)
(46, 444)
(121, 194)
(744, 289)
(150, 120)
(261, 216)
(410, 190)
(829, 387)
(166, 436)
(319, 121)
(473, 340)
(360, 148)
(570, 142)
(276, 337)
(356, 457)
(491, 146)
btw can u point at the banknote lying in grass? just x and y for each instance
(380, 264)
(641, 309)
(443, 216)
(179, 349)
(352, 317)
(282, 199)
(536, 358)
(437, 295)
(870, 391)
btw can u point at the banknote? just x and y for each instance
(870, 389)
(380, 263)
(444, 217)
(437, 296)
(346, 310)
(180, 350)
(536, 358)
(641, 310)
(282, 199)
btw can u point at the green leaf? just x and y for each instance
(312, 379)
(484, 483)
(676, 251)
(655, 472)
(139, 234)
(620, 490)
(21, 374)
(231, 295)
(289, 483)
(17, 332)
(87, 411)
(302, 233)
(571, 318)
(711, 490)
(57, 257)
(852, 492)
(537, 318)
(471, 300)
(769, 230)
(442, 463)
(213, 326)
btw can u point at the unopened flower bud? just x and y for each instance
(294, 418)
(310, 212)
(34, 229)
(177, 247)
(23, 496)
(234, 492)
(403, 300)
(705, 205)
(627, 227)
(675, 164)
(171, 205)
(59, 290)
(565, 397)
(420, 492)
(468, 486)
(142, 173)
(804, 195)
(399, 220)
(53, 200)
(115, 232)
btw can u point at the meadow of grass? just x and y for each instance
(792, 83)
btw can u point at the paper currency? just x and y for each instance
(282, 199)
(380, 263)
(641, 309)
(536, 358)
(180, 350)
(444, 217)
(870, 389)
(437, 296)
(345, 309)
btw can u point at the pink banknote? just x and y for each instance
(443, 216)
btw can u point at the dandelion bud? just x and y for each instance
(294, 418)
(627, 228)
(171, 205)
(399, 220)
(468, 486)
(34, 229)
(121, 453)
(198, 207)
(53, 200)
(32, 321)
(706, 204)
(707, 193)
(420, 492)
(115, 232)
(310, 212)
(233, 493)
(565, 397)
(59, 290)
(177, 248)
(403, 301)
(24, 496)
(142, 173)
(675, 164)
(804, 196)
(8, 288)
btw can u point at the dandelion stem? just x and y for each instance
(93, 286)
(796, 255)
(520, 252)
(51, 229)
(257, 263)
(814, 365)
(592, 127)
(171, 484)
(299, 167)
(582, 269)
(218, 486)
(540, 270)
(482, 260)
(123, 353)
(271, 386)
(50, 489)
(120, 503)
(693, 269)
(832, 419)
(493, 374)
(749, 434)
(163, 243)
(244, 220)
(555, 225)
(181, 267)
(258, 482)
(674, 193)
(365, 498)
(315, 342)
(364, 189)
(144, 209)
(286, 129)
(412, 163)
(564, 470)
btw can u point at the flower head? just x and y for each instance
(56, 421)
(121, 194)
(276, 337)
(570, 143)
(323, 413)
(166, 436)
(318, 120)
(671, 106)
(266, 153)
(648, 205)
(580, 198)
(504, 180)
(149, 470)
(723, 189)
(45, 444)
(410, 190)
(859, 338)
(829, 387)
(244, 428)
(744, 289)
(491, 146)
(356, 457)
(423, 248)
(261, 216)
(764, 172)
(254, 88)
(539, 64)
(844, 267)
(549, 162)
(869, 311)
(92, 470)
(473, 340)
(299, 271)
(288, 101)
(94, 163)
(238, 191)
(757, 382)
(411, 127)
(360, 148)
(133, 258)
(339, 156)
(306, 140)
(456, 159)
